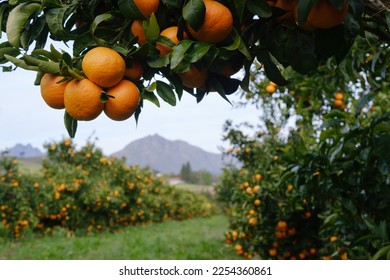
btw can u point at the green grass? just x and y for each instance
(201, 189)
(187, 240)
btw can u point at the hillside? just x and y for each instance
(168, 156)
(23, 151)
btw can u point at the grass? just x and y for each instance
(200, 189)
(187, 240)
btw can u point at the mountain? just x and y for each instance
(23, 151)
(168, 156)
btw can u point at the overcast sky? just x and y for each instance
(25, 118)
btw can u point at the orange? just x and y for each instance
(82, 100)
(257, 202)
(273, 252)
(282, 225)
(122, 101)
(134, 70)
(171, 34)
(147, 7)
(194, 78)
(52, 90)
(217, 24)
(324, 15)
(339, 96)
(138, 31)
(270, 88)
(338, 103)
(104, 66)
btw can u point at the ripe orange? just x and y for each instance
(52, 91)
(273, 252)
(123, 100)
(217, 25)
(338, 103)
(339, 96)
(82, 100)
(194, 78)
(134, 70)
(257, 202)
(282, 225)
(270, 88)
(324, 15)
(171, 34)
(104, 66)
(147, 7)
(138, 31)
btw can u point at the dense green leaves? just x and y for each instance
(17, 19)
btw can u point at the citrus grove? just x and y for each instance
(196, 45)
(82, 191)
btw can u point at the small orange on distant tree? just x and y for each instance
(270, 88)
(273, 252)
(82, 100)
(104, 66)
(52, 90)
(339, 95)
(338, 103)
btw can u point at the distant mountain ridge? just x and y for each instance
(23, 151)
(168, 156)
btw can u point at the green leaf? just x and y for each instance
(384, 251)
(158, 61)
(151, 28)
(166, 93)
(271, 70)
(260, 8)
(8, 50)
(20, 63)
(197, 51)
(17, 18)
(194, 13)
(301, 52)
(3, 8)
(304, 8)
(55, 19)
(129, 9)
(70, 124)
(150, 96)
(38, 78)
(179, 51)
(45, 53)
(240, 6)
(44, 66)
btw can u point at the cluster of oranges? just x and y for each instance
(323, 14)
(338, 100)
(105, 72)
(216, 27)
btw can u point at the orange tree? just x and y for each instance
(200, 58)
(322, 190)
(82, 190)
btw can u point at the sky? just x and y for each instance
(25, 118)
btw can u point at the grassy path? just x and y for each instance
(186, 240)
